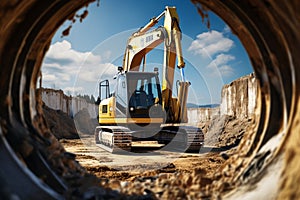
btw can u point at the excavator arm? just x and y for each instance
(145, 40)
(139, 45)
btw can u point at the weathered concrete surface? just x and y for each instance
(239, 99)
(196, 115)
(57, 100)
(78, 115)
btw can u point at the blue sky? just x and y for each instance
(94, 48)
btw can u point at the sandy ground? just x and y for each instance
(151, 174)
(140, 163)
(162, 174)
(154, 173)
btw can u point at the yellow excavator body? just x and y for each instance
(141, 106)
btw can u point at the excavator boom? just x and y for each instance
(143, 41)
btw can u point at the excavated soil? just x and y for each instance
(152, 173)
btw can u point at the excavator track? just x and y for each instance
(183, 138)
(113, 138)
(195, 138)
(176, 138)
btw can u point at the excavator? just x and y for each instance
(141, 108)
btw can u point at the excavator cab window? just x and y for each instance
(104, 91)
(143, 90)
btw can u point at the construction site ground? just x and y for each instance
(163, 174)
(140, 163)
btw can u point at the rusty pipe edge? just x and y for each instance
(267, 29)
(26, 171)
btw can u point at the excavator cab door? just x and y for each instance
(121, 96)
(144, 93)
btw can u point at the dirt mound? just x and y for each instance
(84, 123)
(225, 131)
(65, 127)
(60, 124)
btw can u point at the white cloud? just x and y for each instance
(106, 55)
(90, 73)
(216, 46)
(210, 43)
(74, 71)
(220, 60)
(220, 65)
(62, 51)
(226, 70)
(49, 77)
(73, 90)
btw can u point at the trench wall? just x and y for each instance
(238, 99)
(57, 100)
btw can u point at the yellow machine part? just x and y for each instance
(107, 115)
(107, 109)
